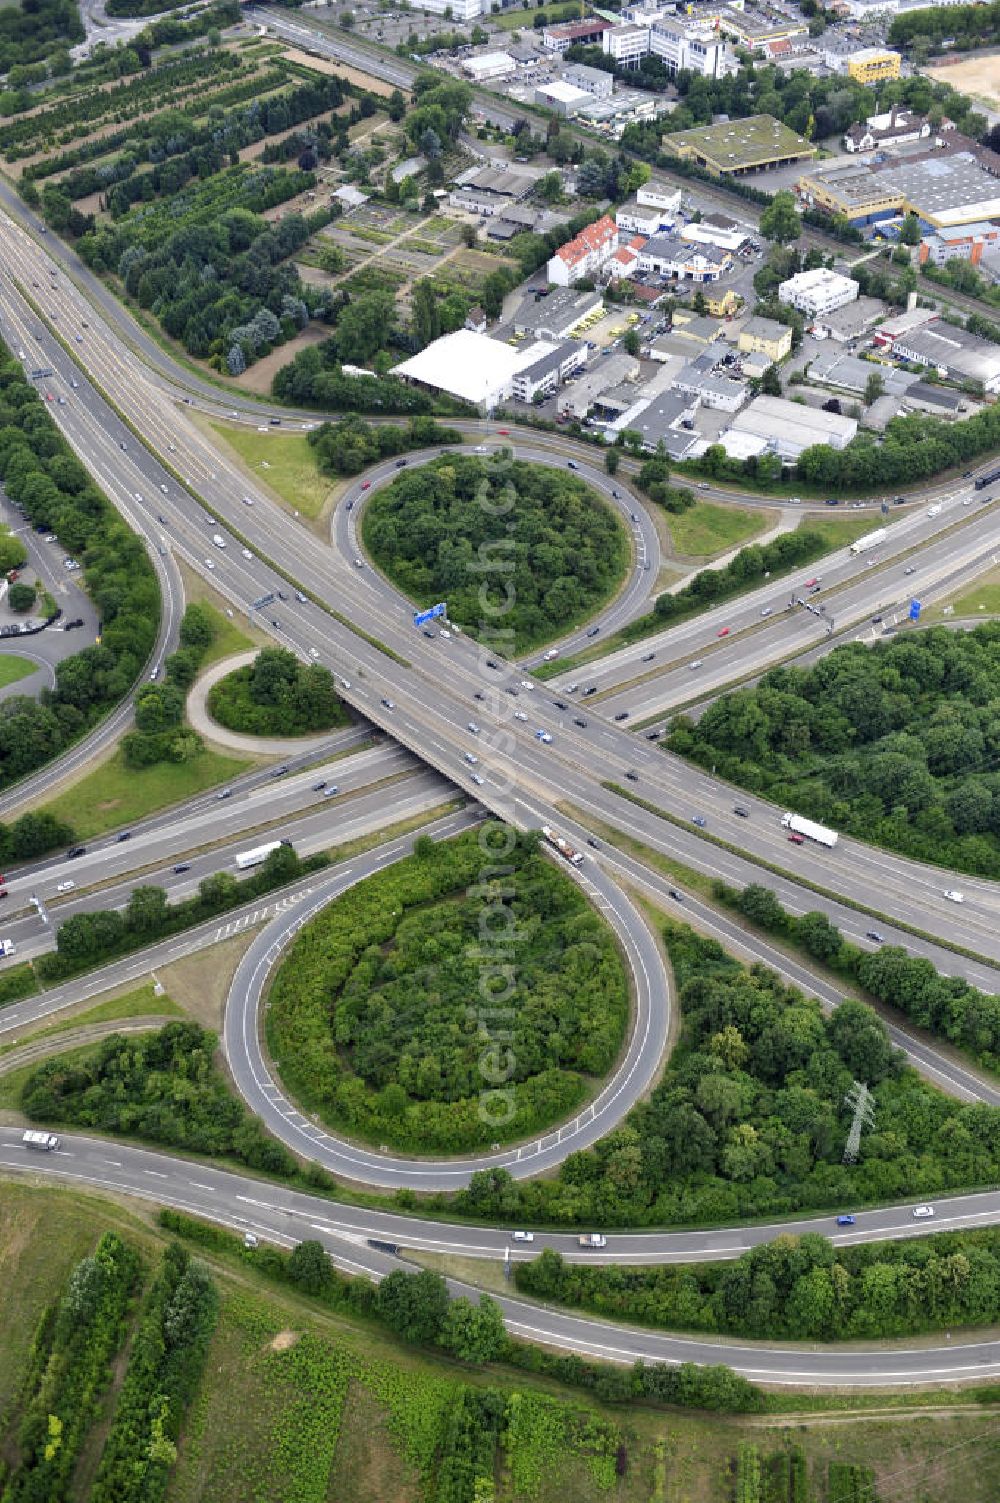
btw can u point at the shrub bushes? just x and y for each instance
(163, 1087)
(276, 695)
(370, 1024)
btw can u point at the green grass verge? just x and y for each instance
(982, 598)
(709, 529)
(142, 1002)
(227, 641)
(13, 668)
(114, 794)
(283, 461)
(839, 531)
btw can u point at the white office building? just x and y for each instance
(489, 65)
(817, 292)
(627, 45)
(459, 10)
(696, 47)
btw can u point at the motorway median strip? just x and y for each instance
(798, 879)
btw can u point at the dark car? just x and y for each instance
(832, 501)
(622, 715)
(571, 464)
(490, 664)
(479, 694)
(76, 850)
(588, 692)
(580, 722)
(400, 464)
(876, 620)
(845, 1220)
(593, 842)
(678, 897)
(741, 811)
(123, 835)
(966, 474)
(699, 820)
(593, 631)
(428, 632)
(318, 787)
(279, 772)
(875, 937)
(649, 657)
(560, 704)
(653, 735)
(275, 422)
(632, 775)
(182, 866)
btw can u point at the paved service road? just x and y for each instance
(288, 1216)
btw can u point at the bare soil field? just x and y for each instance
(353, 75)
(260, 375)
(977, 76)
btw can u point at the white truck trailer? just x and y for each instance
(810, 829)
(869, 541)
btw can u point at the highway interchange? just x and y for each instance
(176, 490)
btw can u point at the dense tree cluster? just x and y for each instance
(966, 26)
(749, 1117)
(166, 1360)
(69, 1369)
(946, 1005)
(556, 551)
(798, 1287)
(43, 476)
(313, 378)
(181, 146)
(206, 263)
(161, 1086)
(897, 743)
(372, 1022)
(161, 734)
(351, 445)
(276, 695)
(29, 33)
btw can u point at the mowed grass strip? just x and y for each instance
(13, 668)
(709, 529)
(285, 462)
(114, 794)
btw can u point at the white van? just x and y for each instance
(218, 540)
(45, 1141)
(934, 511)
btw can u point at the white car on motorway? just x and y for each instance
(210, 564)
(953, 895)
(65, 887)
(922, 1212)
(522, 1236)
(520, 715)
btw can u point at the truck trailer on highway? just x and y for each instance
(809, 829)
(562, 846)
(870, 541)
(257, 856)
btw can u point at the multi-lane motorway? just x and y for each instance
(177, 491)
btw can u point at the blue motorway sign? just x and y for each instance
(420, 618)
(914, 610)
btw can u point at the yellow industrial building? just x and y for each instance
(873, 65)
(765, 336)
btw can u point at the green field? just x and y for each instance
(708, 529)
(982, 598)
(839, 531)
(114, 794)
(13, 668)
(299, 1402)
(291, 470)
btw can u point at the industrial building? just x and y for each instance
(816, 292)
(591, 80)
(471, 366)
(712, 390)
(738, 147)
(611, 371)
(873, 65)
(944, 189)
(850, 189)
(561, 97)
(557, 315)
(489, 190)
(969, 243)
(757, 30)
(765, 336)
(552, 366)
(954, 352)
(787, 428)
(575, 34)
(489, 65)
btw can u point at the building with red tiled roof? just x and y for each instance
(584, 256)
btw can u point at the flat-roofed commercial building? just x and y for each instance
(873, 65)
(739, 147)
(850, 189)
(818, 291)
(787, 428)
(968, 243)
(587, 33)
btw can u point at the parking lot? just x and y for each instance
(47, 567)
